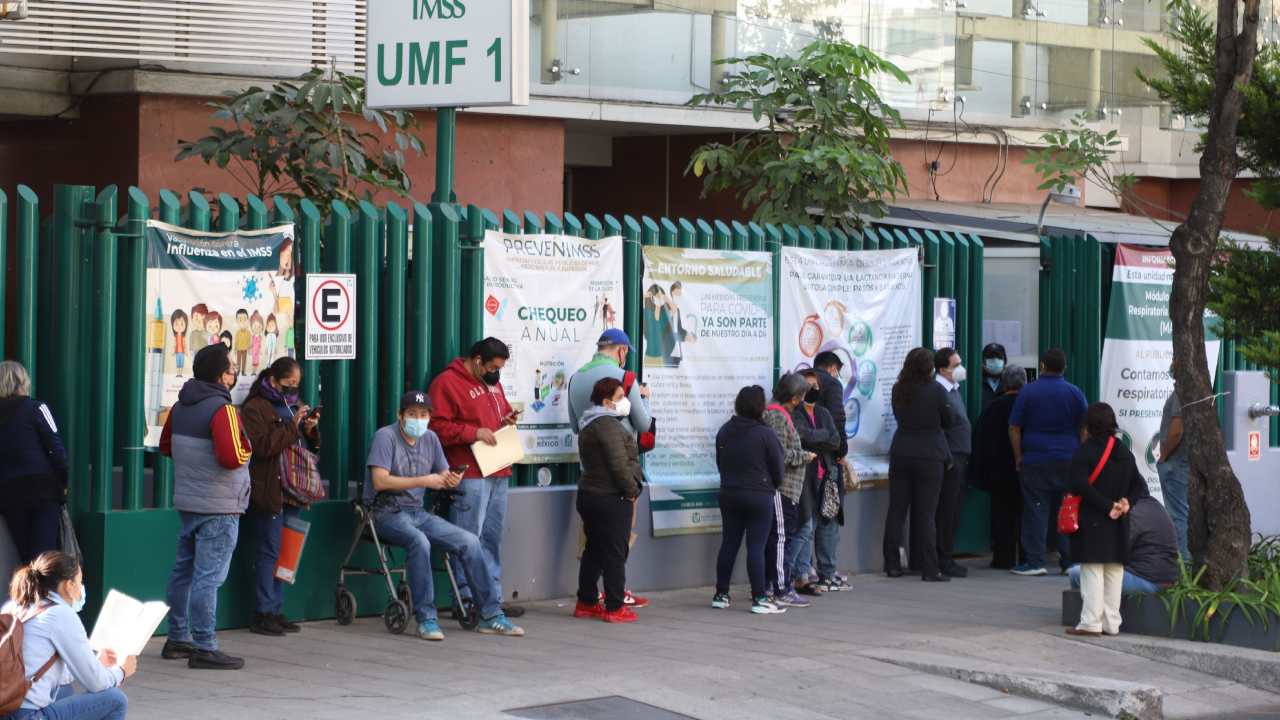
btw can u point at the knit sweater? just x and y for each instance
(794, 458)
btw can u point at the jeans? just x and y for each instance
(826, 541)
(1175, 478)
(481, 509)
(749, 513)
(269, 590)
(110, 704)
(414, 530)
(205, 544)
(35, 528)
(1132, 584)
(803, 561)
(606, 519)
(1042, 487)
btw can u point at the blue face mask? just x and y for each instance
(994, 366)
(78, 605)
(416, 427)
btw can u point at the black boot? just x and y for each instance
(266, 625)
(214, 660)
(285, 625)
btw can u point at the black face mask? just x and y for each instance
(491, 378)
(812, 396)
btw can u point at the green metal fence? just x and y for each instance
(78, 323)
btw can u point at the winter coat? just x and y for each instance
(1101, 539)
(993, 467)
(270, 431)
(33, 460)
(748, 456)
(609, 454)
(206, 439)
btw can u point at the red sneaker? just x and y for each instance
(634, 601)
(623, 614)
(582, 610)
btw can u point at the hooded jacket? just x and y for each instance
(461, 405)
(210, 450)
(748, 456)
(33, 460)
(609, 455)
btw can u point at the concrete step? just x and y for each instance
(1258, 669)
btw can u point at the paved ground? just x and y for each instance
(685, 658)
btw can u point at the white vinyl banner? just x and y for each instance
(549, 297)
(865, 306)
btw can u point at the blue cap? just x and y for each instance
(615, 336)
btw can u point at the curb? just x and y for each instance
(1258, 669)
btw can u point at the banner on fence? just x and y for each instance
(707, 327)
(1138, 349)
(205, 288)
(864, 306)
(549, 297)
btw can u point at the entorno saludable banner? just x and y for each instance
(205, 288)
(549, 297)
(865, 307)
(1138, 349)
(707, 327)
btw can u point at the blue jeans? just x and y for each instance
(415, 530)
(269, 592)
(826, 542)
(1175, 479)
(1043, 485)
(800, 558)
(481, 509)
(110, 704)
(1132, 585)
(205, 544)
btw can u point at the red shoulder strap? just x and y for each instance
(628, 379)
(1111, 443)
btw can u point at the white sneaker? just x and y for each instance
(765, 606)
(720, 602)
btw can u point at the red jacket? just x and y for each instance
(461, 405)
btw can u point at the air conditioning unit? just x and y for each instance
(13, 9)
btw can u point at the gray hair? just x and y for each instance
(1013, 378)
(790, 386)
(14, 380)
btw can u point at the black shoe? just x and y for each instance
(894, 572)
(214, 660)
(177, 650)
(513, 611)
(285, 625)
(955, 571)
(266, 625)
(936, 578)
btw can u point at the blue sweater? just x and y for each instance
(33, 461)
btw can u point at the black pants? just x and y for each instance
(914, 485)
(35, 528)
(753, 514)
(950, 502)
(606, 521)
(785, 522)
(1006, 525)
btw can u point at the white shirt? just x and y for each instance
(945, 383)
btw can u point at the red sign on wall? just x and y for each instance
(1255, 445)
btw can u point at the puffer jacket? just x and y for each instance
(206, 439)
(609, 454)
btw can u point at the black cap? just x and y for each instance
(415, 398)
(211, 362)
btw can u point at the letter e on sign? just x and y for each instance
(1255, 445)
(330, 317)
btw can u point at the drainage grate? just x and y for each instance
(613, 707)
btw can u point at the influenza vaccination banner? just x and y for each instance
(205, 288)
(865, 307)
(549, 297)
(707, 327)
(1138, 349)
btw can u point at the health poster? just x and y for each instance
(549, 297)
(205, 288)
(1138, 349)
(707, 326)
(865, 306)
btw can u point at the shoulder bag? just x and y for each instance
(1069, 513)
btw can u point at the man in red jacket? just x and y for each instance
(469, 407)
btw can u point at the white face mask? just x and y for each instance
(622, 408)
(959, 374)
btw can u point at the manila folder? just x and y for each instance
(506, 453)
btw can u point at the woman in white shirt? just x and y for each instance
(47, 596)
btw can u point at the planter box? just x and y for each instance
(1146, 615)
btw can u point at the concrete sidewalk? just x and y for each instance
(686, 658)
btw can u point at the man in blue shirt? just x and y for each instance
(1044, 429)
(405, 460)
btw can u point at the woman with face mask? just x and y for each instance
(46, 597)
(607, 488)
(274, 419)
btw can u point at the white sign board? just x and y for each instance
(447, 53)
(944, 323)
(331, 317)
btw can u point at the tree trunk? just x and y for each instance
(1220, 524)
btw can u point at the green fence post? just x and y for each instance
(806, 237)
(308, 238)
(168, 210)
(336, 421)
(593, 229)
(572, 225)
(722, 239)
(419, 335)
(551, 224)
(228, 213)
(105, 340)
(255, 217)
(741, 236)
(132, 310)
(393, 314)
(1091, 309)
(27, 262)
(686, 234)
(70, 278)
(946, 275)
(472, 251)
(366, 257)
(976, 289)
(446, 264)
(632, 267)
(669, 234)
(964, 315)
(649, 232)
(822, 238)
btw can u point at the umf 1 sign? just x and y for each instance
(331, 317)
(447, 53)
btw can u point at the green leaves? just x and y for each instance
(1245, 293)
(300, 138)
(825, 147)
(1075, 153)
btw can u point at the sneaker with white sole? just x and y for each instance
(835, 584)
(765, 606)
(499, 625)
(720, 601)
(791, 599)
(1028, 570)
(430, 630)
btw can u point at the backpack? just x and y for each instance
(14, 683)
(647, 438)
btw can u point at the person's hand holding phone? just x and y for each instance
(300, 413)
(453, 478)
(511, 418)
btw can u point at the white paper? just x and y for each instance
(508, 451)
(1006, 332)
(125, 624)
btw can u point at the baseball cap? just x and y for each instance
(415, 398)
(615, 336)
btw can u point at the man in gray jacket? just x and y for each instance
(960, 441)
(210, 454)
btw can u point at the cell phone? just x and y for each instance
(459, 469)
